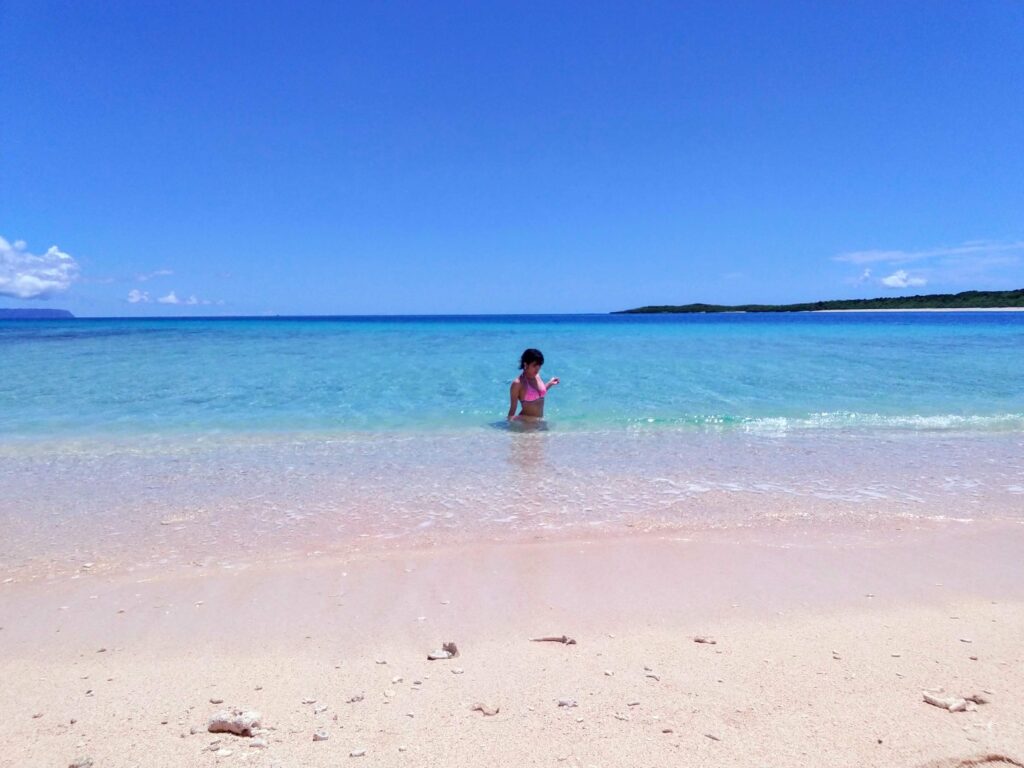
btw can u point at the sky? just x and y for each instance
(257, 158)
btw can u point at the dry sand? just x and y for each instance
(825, 640)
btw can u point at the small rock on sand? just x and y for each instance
(223, 752)
(489, 710)
(354, 699)
(952, 703)
(320, 735)
(567, 702)
(704, 639)
(81, 762)
(448, 651)
(216, 701)
(236, 721)
(357, 753)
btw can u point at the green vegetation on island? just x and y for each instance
(965, 300)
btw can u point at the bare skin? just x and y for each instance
(535, 408)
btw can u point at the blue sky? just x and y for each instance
(341, 158)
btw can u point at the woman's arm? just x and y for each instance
(554, 380)
(513, 394)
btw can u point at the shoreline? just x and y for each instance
(823, 646)
(951, 309)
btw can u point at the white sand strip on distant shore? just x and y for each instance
(934, 309)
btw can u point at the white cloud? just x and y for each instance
(976, 264)
(135, 296)
(170, 298)
(900, 279)
(144, 276)
(970, 249)
(25, 275)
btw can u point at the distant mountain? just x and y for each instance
(965, 300)
(34, 314)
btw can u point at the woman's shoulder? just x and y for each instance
(517, 380)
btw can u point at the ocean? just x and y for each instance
(267, 437)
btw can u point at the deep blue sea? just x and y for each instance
(336, 375)
(160, 443)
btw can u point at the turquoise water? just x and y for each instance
(161, 443)
(338, 375)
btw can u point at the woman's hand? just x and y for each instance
(553, 382)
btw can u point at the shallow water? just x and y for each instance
(792, 371)
(154, 444)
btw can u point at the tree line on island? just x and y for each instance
(964, 300)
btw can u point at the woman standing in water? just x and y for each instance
(528, 388)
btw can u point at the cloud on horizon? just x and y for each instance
(900, 279)
(974, 262)
(135, 296)
(25, 275)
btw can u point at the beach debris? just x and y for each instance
(236, 721)
(457, 670)
(321, 735)
(966, 640)
(633, 703)
(705, 640)
(357, 753)
(223, 752)
(488, 710)
(567, 703)
(319, 708)
(309, 701)
(380, 661)
(396, 679)
(609, 673)
(355, 699)
(623, 718)
(653, 676)
(37, 715)
(216, 701)
(448, 651)
(954, 703)
(711, 736)
(563, 639)
(81, 762)
(258, 743)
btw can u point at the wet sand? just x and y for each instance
(825, 638)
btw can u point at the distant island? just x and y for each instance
(34, 314)
(965, 300)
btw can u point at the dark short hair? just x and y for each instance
(531, 355)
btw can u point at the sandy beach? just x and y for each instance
(825, 639)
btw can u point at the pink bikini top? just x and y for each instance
(528, 391)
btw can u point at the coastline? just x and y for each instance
(952, 309)
(825, 640)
